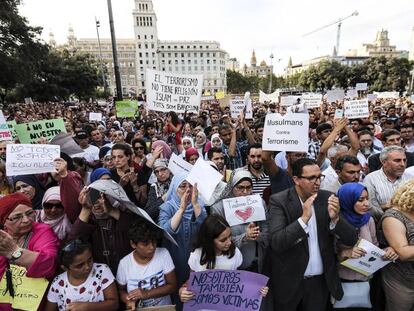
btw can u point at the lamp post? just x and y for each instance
(98, 24)
(114, 53)
(271, 73)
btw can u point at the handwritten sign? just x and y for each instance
(225, 290)
(24, 159)
(126, 108)
(30, 133)
(241, 210)
(168, 91)
(296, 108)
(369, 263)
(5, 133)
(387, 95)
(311, 100)
(361, 86)
(28, 292)
(289, 100)
(352, 93)
(355, 109)
(286, 133)
(335, 95)
(206, 177)
(177, 165)
(236, 106)
(371, 97)
(95, 116)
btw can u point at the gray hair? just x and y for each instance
(332, 151)
(387, 150)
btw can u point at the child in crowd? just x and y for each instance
(146, 277)
(84, 285)
(214, 250)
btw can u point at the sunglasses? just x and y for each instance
(52, 205)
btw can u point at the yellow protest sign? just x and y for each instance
(220, 95)
(28, 292)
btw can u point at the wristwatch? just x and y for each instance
(16, 254)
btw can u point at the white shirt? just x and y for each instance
(223, 262)
(90, 154)
(330, 177)
(315, 264)
(152, 275)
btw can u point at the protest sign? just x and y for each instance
(168, 91)
(95, 116)
(25, 159)
(28, 292)
(178, 165)
(311, 100)
(30, 133)
(339, 113)
(286, 133)
(5, 133)
(207, 98)
(225, 290)
(220, 95)
(352, 93)
(412, 98)
(387, 95)
(371, 97)
(369, 263)
(12, 127)
(273, 97)
(206, 177)
(248, 111)
(241, 210)
(355, 109)
(296, 108)
(28, 101)
(289, 100)
(334, 95)
(361, 86)
(126, 108)
(236, 106)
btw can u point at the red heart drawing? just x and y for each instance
(244, 214)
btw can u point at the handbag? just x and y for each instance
(356, 295)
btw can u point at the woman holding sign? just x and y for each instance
(250, 238)
(25, 245)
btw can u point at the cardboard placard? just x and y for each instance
(30, 133)
(245, 209)
(356, 109)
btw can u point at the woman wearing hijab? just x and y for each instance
(252, 238)
(200, 142)
(101, 173)
(166, 150)
(181, 216)
(192, 155)
(53, 213)
(214, 142)
(30, 186)
(188, 142)
(158, 190)
(24, 242)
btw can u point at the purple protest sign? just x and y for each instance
(225, 290)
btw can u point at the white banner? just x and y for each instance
(5, 133)
(241, 210)
(387, 94)
(369, 263)
(178, 165)
(371, 97)
(289, 100)
(248, 113)
(168, 91)
(296, 108)
(95, 116)
(311, 100)
(274, 97)
(334, 95)
(286, 133)
(355, 109)
(361, 86)
(352, 93)
(26, 159)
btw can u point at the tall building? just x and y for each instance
(146, 50)
(263, 70)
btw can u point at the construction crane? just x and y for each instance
(338, 32)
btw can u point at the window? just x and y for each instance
(201, 54)
(152, 45)
(169, 62)
(169, 47)
(175, 46)
(195, 61)
(182, 47)
(169, 68)
(175, 54)
(208, 54)
(208, 61)
(139, 45)
(145, 37)
(140, 54)
(152, 36)
(153, 54)
(140, 61)
(143, 83)
(195, 68)
(182, 54)
(146, 46)
(163, 68)
(146, 54)
(176, 61)
(169, 54)
(182, 61)
(162, 55)
(146, 62)
(189, 61)
(195, 54)
(183, 68)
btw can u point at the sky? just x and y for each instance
(240, 26)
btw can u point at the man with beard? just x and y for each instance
(3, 148)
(348, 169)
(216, 156)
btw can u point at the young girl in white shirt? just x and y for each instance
(214, 250)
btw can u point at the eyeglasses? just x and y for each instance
(21, 187)
(52, 205)
(17, 218)
(313, 179)
(139, 148)
(72, 245)
(160, 170)
(185, 186)
(186, 143)
(243, 188)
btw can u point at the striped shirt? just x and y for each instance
(381, 190)
(259, 183)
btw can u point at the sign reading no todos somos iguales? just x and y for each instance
(286, 133)
(167, 91)
(355, 109)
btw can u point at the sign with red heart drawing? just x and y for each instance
(241, 210)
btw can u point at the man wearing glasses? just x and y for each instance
(303, 223)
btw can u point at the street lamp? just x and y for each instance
(271, 73)
(98, 24)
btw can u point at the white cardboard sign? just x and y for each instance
(371, 97)
(248, 113)
(352, 93)
(236, 106)
(26, 159)
(95, 116)
(387, 94)
(5, 133)
(169, 91)
(355, 109)
(241, 210)
(361, 86)
(369, 263)
(206, 177)
(311, 100)
(178, 165)
(334, 95)
(274, 97)
(286, 133)
(289, 100)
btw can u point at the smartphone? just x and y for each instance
(94, 195)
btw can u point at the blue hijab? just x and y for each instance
(98, 173)
(348, 195)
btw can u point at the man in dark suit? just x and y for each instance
(303, 222)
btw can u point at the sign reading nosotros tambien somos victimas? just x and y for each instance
(167, 91)
(286, 133)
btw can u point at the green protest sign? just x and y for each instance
(126, 108)
(30, 133)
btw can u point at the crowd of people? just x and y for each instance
(355, 181)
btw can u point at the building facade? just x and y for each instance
(262, 71)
